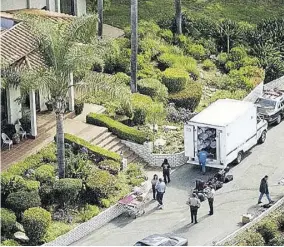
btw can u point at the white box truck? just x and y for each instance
(225, 130)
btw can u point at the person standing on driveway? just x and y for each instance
(194, 204)
(154, 182)
(263, 189)
(161, 189)
(210, 192)
(202, 156)
(166, 171)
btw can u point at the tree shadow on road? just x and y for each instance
(185, 228)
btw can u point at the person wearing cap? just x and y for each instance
(194, 204)
(210, 192)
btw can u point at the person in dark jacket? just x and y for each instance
(154, 182)
(263, 189)
(166, 171)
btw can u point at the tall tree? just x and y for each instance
(65, 48)
(134, 45)
(178, 16)
(101, 19)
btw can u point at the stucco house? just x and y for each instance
(19, 51)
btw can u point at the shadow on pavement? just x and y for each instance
(185, 228)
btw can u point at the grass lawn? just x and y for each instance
(240, 10)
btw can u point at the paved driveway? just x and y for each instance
(234, 199)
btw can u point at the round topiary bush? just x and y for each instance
(10, 242)
(175, 79)
(188, 98)
(111, 166)
(46, 194)
(22, 200)
(268, 230)
(66, 190)
(36, 221)
(196, 50)
(122, 78)
(8, 221)
(45, 173)
(101, 184)
(222, 58)
(153, 88)
(252, 239)
(208, 65)
(140, 103)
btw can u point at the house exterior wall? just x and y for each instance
(43, 98)
(13, 107)
(80, 7)
(13, 4)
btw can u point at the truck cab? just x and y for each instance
(270, 106)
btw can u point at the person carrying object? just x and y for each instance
(210, 193)
(154, 182)
(166, 171)
(194, 204)
(161, 189)
(263, 189)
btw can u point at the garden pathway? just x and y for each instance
(231, 202)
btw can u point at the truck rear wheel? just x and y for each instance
(239, 157)
(262, 137)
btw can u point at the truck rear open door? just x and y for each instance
(189, 141)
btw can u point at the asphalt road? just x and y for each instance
(231, 202)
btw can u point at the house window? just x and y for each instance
(67, 7)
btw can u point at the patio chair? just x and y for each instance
(6, 140)
(20, 131)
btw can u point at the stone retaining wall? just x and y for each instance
(232, 238)
(93, 224)
(145, 152)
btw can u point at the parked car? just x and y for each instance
(162, 240)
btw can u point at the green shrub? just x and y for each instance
(249, 61)
(280, 221)
(252, 239)
(237, 54)
(189, 64)
(208, 65)
(222, 58)
(150, 46)
(10, 242)
(45, 173)
(167, 35)
(79, 106)
(8, 221)
(188, 98)
(48, 154)
(135, 174)
(196, 50)
(105, 203)
(36, 222)
(22, 200)
(67, 190)
(56, 229)
(278, 240)
(101, 184)
(122, 131)
(89, 212)
(153, 88)
(175, 79)
(148, 28)
(101, 152)
(122, 78)
(111, 166)
(167, 60)
(268, 230)
(140, 104)
(46, 194)
(230, 65)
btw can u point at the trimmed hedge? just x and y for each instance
(122, 131)
(10, 242)
(208, 65)
(268, 230)
(252, 239)
(111, 166)
(67, 190)
(101, 152)
(188, 98)
(22, 200)
(36, 222)
(153, 88)
(45, 173)
(8, 221)
(175, 79)
(88, 212)
(140, 104)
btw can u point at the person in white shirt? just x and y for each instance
(161, 189)
(210, 192)
(194, 203)
(154, 182)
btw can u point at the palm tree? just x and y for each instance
(100, 13)
(178, 16)
(134, 45)
(66, 48)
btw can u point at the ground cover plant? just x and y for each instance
(36, 203)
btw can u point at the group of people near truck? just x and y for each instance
(159, 189)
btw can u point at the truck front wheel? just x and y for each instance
(239, 157)
(262, 137)
(278, 120)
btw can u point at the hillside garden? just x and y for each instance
(35, 201)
